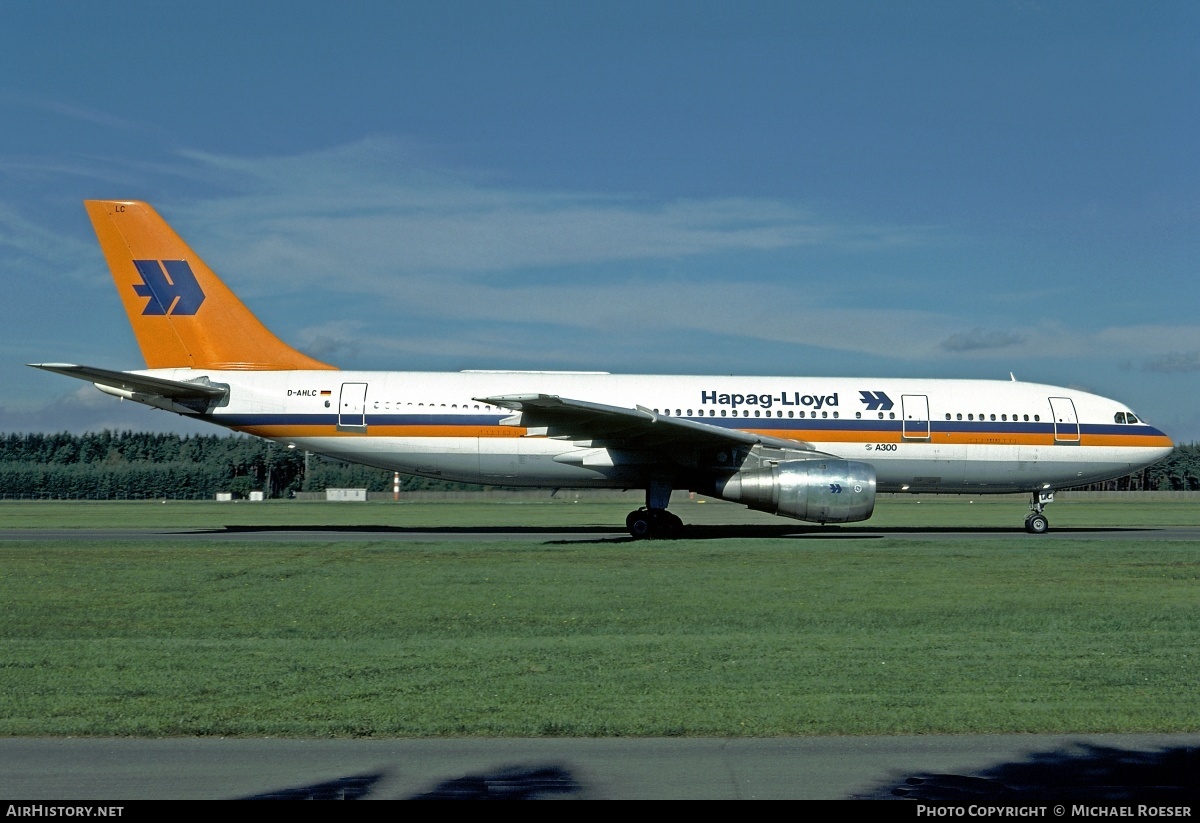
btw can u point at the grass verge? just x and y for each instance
(721, 637)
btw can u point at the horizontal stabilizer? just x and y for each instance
(178, 391)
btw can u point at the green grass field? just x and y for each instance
(528, 637)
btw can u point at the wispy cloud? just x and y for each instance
(86, 409)
(70, 111)
(977, 339)
(402, 254)
(1175, 363)
(364, 210)
(28, 246)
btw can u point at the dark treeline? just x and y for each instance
(137, 465)
(1179, 471)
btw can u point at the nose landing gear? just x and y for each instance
(1036, 522)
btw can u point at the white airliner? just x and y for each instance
(813, 448)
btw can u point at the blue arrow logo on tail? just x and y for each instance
(876, 400)
(170, 285)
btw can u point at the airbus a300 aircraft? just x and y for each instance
(813, 448)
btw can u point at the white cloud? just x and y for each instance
(364, 214)
(381, 244)
(1175, 363)
(86, 409)
(29, 246)
(978, 339)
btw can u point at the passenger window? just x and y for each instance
(791, 414)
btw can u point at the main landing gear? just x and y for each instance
(1036, 522)
(653, 519)
(648, 523)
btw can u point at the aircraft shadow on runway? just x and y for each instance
(1082, 774)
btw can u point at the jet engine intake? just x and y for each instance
(819, 491)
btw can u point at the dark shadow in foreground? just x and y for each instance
(507, 784)
(1082, 774)
(343, 788)
(535, 783)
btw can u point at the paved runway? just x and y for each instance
(971, 769)
(343, 534)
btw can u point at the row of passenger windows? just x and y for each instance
(386, 405)
(857, 415)
(1002, 418)
(745, 413)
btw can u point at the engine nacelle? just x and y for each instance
(819, 491)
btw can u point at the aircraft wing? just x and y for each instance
(121, 383)
(616, 427)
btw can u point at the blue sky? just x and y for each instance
(938, 189)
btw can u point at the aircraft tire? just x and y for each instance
(651, 523)
(640, 524)
(1037, 524)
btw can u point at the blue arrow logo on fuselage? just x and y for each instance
(876, 400)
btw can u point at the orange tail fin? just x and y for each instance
(182, 314)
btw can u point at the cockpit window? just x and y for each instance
(1129, 418)
(1119, 417)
